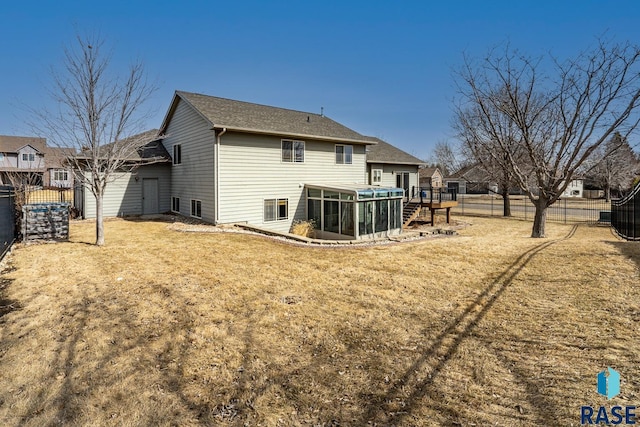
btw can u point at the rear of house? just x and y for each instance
(235, 161)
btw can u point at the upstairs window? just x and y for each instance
(28, 157)
(177, 154)
(292, 151)
(60, 175)
(344, 154)
(376, 176)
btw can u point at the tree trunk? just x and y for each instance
(99, 221)
(607, 193)
(506, 203)
(540, 218)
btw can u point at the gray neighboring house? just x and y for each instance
(142, 188)
(471, 179)
(31, 161)
(235, 161)
(391, 167)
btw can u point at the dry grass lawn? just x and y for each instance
(162, 327)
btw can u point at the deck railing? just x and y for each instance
(436, 195)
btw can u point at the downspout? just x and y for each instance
(216, 173)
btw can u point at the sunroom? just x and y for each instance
(342, 212)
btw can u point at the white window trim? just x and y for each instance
(178, 198)
(293, 150)
(335, 157)
(191, 208)
(277, 218)
(174, 161)
(60, 171)
(373, 176)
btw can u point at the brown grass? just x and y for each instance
(168, 328)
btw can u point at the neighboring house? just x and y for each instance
(471, 179)
(389, 166)
(30, 161)
(431, 177)
(574, 189)
(235, 161)
(142, 187)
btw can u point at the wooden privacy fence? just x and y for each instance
(45, 221)
(625, 215)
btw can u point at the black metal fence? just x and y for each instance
(565, 210)
(625, 215)
(7, 219)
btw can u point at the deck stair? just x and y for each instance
(410, 212)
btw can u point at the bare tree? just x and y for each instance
(98, 115)
(557, 120)
(448, 157)
(616, 166)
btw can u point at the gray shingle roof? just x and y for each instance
(151, 149)
(256, 118)
(384, 152)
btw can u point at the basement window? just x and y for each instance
(276, 209)
(196, 208)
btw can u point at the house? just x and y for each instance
(390, 166)
(235, 161)
(470, 179)
(430, 177)
(142, 187)
(29, 160)
(574, 189)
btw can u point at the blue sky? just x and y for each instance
(382, 68)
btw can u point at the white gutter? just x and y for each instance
(216, 173)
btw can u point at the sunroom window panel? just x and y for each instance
(346, 220)
(382, 215)
(331, 216)
(314, 212)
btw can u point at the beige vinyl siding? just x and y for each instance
(9, 160)
(38, 160)
(124, 195)
(251, 170)
(389, 172)
(194, 177)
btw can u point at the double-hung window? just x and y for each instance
(292, 151)
(276, 209)
(177, 154)
(28, 157)
(376, 176)
(344, 154)
(196, 208)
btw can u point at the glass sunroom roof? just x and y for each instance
(362, 191)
